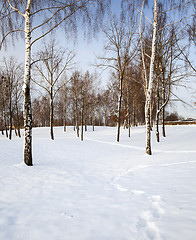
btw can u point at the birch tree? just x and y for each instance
(17, 16)
(149, 82)
(3, 105)
(171, 8)
(120, 49)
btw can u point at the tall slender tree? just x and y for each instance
(120, 50)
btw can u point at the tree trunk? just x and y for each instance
(26, 94)
(65, 125)
(2, 131)
(5, 124)
(10, 128)
(105, 114)
(82, 125)
(93, 119)
(163, 122)
(157, 126)
(99, 115)
(148, 128)
(1, 124)
(10, 112)
(133, 114)
(157, 132)
(10, 132)
(16, 133)
(19, 135)
(129, 122)
(128, 108)
(86, 126)
(51, 117)
(51, 111)
(119, 110)
(85, 117)
(64, 115)
(151, 115)
(163, 110)
(18, 119)
(158, 111)
(77, 124)
(150, 84)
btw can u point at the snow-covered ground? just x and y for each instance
(99, 189)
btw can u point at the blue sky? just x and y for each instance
(86, 56)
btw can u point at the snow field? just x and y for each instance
(99, 189)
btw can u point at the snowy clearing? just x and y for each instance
(99, 189)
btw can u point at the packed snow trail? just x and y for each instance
(140, 148)
(149, 222)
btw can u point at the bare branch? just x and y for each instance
(23, 4)
(141, 12)
(42, 74)
(53, 15)
(15, 9)
(40, 85)
(181, 51)
(43, 9)
(61, 86)
(65, 66)
(39, 60)
(178, 6)
(179, 99)
(4, 16)
(48, 20)
(59, 23)
(107, 66)
(13, 31)
(175, 22)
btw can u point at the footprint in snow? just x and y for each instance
(67, 215)
(137, 192)
(146, 224)
(120, 188)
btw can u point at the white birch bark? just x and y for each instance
(26, 93)
(150, 84)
